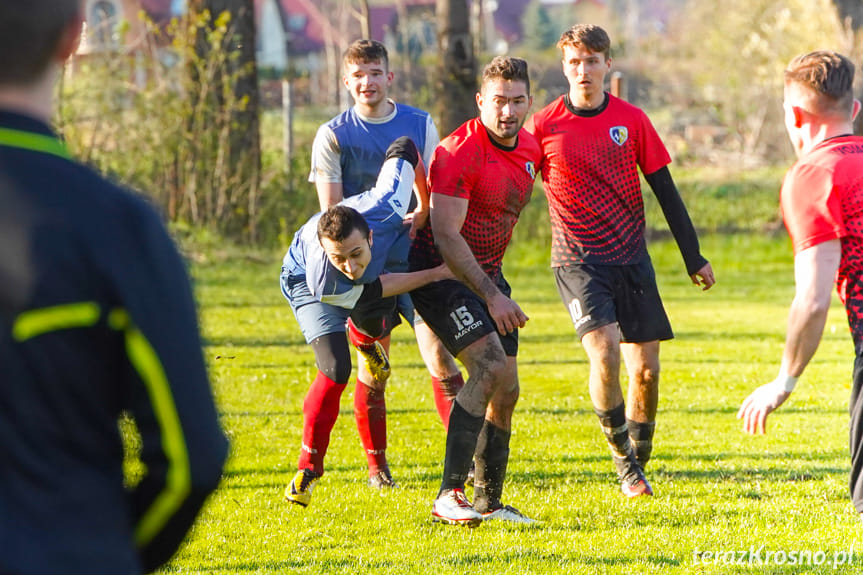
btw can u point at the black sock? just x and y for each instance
(461, 440)
(641, 435)
(492, 455)
(613, 424)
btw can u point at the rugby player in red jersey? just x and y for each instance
(481, 176)
(593, 145)
(821, 198)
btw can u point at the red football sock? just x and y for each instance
(445, 390)
(320, 410)
(370, 410)
(359, 339)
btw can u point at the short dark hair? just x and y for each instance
(365, 51)
(830, 77)
(30, 33)
(589, 36)
(507, 68)
(339, 222)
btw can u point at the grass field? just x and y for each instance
(779, 503)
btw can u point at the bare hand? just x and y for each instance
(759, 405)
(704, 277)
(418, 219)
(506, 314)
(442, 272)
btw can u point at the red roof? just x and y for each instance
(311, 37)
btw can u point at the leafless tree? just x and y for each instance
(457, 82)
(851, 13)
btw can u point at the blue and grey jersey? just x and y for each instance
(384, 207)
(351, 148)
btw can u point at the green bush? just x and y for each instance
(159, 119)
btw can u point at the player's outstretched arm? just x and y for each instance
(814, 270)
(399, 283)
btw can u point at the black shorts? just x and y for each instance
(597, 296)
(377, 318)
(458, 316)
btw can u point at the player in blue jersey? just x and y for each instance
(347, 154)
(97, 321)
(333, 273)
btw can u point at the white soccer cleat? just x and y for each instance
(507, 513)
(453, 507)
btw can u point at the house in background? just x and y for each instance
(306, 38)
(115, 25)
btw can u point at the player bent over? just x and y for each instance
(347, 155)
(481, 176)
(333, 273)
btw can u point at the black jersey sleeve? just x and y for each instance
(169, 394)
(677, 217)
(371, 292)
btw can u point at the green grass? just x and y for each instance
(716, 488)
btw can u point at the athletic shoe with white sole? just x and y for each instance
(507, 513)
(635, 484)
(382, 480)
(376, 360)
(452, 507)
(299, 490)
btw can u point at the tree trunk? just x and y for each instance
(233, 103)
(365, 24)
(457, 82)
(404, 38)
(851, 14)
(852, 9)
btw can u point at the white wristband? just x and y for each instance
(785, 382)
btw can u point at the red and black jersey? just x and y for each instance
(497, 181)
(590, 177)
(822, 200)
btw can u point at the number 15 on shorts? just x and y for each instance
(462, 318)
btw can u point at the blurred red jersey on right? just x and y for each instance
(822, 200)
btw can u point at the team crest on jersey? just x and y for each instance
(619, 134)
(531, 169)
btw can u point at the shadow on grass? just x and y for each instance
(245, 302)
(579, 469)
(253, 341)
(464, 563)
(719, 411)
